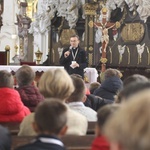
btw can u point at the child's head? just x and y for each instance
(132, 89)
(103, 114)
(134, 78)
(128, 128)
(25, 75)
(56, 83)
(94, 86)
(50, 117)
(79, 92)
(6, 79)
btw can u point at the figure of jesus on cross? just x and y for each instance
(104, 26)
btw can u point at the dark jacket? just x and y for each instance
(96, 102)
(43, 142)
(30, 95)
(81, 59)
(109, 88)
(5, 139)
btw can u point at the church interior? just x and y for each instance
(56, 110)
(115, 34)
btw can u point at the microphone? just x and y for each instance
(67, 53)
(70, 48)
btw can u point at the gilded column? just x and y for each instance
(90, 12)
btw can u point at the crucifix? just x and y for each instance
(104, 26)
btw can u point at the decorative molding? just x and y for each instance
(90, 9)
(133, 32)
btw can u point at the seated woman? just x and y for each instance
(29, 94)
(11, 106)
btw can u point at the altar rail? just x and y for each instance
(91, 73)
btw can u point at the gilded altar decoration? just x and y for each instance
(148, 55)
(90, 9)
(133, 32)
(103, 60)
(65, 36)
(91, 24)
(140, 50)
(86, 79)
(128, 50)
(38, 56)
(90, 59)
(7, 49)
(90, 48)
(118, 24)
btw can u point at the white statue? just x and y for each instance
(121, 50)
(143, 6)
(140, 50)
(69, 10)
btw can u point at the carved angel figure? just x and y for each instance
(121, 50)
(69, 10)
(143, 6)
(113, 4)
(140, 50)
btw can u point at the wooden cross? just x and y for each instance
(105, 26)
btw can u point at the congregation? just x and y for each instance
(60, 104)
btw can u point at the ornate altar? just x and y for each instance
(128, 46)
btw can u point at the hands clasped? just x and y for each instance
(74, 64)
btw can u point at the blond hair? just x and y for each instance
(130, 125)
(56, 83)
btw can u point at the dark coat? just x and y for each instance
(37, 144)
(109, 88)
(5, 139)
(81, 59)
(30, 95)
(96, 102)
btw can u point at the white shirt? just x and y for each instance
(89, 113)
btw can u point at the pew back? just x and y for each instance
(12, 126)
(71, 142)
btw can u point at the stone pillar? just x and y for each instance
(8, 34)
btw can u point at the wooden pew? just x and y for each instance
(91, 128)
(71, 142)
(12, 126)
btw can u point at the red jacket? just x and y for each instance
(100, 143)
(11, 106)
